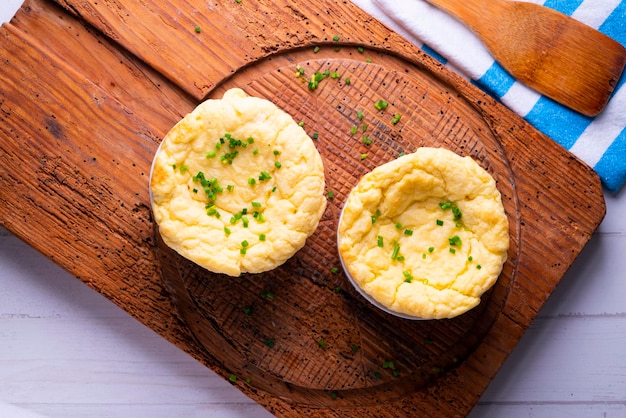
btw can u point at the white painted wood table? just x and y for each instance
(66, 351)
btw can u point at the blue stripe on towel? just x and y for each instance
(564, 6)
(611, 166)
(615, 24)
(496, 80)
(558, 122)
(436, 55)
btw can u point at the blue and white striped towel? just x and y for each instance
(599, 141)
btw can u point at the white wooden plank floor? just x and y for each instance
(66, 351)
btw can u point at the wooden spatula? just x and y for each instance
(550, 52)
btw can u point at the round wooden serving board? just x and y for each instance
(301, 332)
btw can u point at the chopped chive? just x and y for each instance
(262, 237)
(439, 222)
(251, 181)
(380, 241)
(227, 231)
(334, 270)
(455, 240)
(198, 29)
(396, 250)
(277, 164)
(230, 187)
(353, 130)
(364, 127)
(256, 204)
(408, 277)
(316, 49)
(315, 135)
(452, 250)
(375, 216)
(245, 222)
(470, 258)
(211, 154)
(264, 176)
(479, 267)
(359, 114)
(431, 249)
(366, 140)
(269, 343)
(388, 364)
(322, 343)
(381, 105)
(363, 156)
(398, 225)
(396, 118)
(347, 81)
(232, 378)
(408, 232)
(331, 194)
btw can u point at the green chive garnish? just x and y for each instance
(455, 240)
(381, 105)
(396, 250)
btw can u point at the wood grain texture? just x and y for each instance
(83, 111)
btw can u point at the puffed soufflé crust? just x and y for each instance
(425, 235)
(237, 186)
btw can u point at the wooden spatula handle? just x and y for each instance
(474, 13)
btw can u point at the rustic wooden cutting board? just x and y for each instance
(89, 88)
